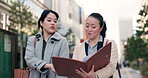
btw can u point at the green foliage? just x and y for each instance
(144, 70)
(21, 19)
(135, 48)
(143, 21)
(35, 31)
(23, 23)
(71, 39)
(137, 45)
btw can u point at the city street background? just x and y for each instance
(126, 20)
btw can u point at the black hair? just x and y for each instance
(101, 22)
(43, 16)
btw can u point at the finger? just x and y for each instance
(78, 72)
(53, 70)
(93, 67)
(84, 72)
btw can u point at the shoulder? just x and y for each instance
(57, 36)
(107, 41)
(80, 45)
(31, 38)
(114, 45)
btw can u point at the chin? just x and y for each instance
(51, 32)
(91, 38)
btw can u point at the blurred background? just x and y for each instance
(127, 24)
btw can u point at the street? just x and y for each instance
(128, 72)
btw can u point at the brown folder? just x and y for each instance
(67, 66)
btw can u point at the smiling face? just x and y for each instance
(92, 28)
(49, 24)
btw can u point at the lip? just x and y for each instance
(52, 27)
(89, 33)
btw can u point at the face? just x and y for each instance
(49, 24)
(92, 28)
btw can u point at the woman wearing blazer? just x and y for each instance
(49, 43)
(95, 30)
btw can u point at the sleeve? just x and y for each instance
(31, 59)
(64, 50)
(109, 70)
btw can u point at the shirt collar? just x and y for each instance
(100, 40)
(55, 36)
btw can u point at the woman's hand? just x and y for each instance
(84, 74)
(50, 66)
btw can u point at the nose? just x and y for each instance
(89, 29)
(52, 22)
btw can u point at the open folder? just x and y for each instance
(67, 66)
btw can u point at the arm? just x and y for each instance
(31, 59)
(111, 67)
(63, 52)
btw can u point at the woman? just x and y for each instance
(95, 31)
(49, 43)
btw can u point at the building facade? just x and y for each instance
(4, 14)
(71, 17)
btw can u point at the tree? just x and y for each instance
(21, 22)
(143, 21)
(135, 49)
(71, 39)
(142, 31)
(137, 45)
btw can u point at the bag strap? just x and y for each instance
(118, 70)
(35, 39)
(106, 42)
(86, 49)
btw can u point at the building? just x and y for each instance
(5, 23)
(71, 16)
(4, 14)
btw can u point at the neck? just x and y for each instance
(93, 42)
(46, 36)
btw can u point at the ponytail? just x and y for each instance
(103, 32)
(101, 22)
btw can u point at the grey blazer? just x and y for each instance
(56, 46)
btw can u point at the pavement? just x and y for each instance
(128, 72)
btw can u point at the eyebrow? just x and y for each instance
(51, 18)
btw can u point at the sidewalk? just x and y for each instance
(128, 73)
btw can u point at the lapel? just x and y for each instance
(51, 44)
(82, 51)
(105, 41)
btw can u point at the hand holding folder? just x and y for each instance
(67, 66)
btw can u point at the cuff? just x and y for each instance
(40, 66)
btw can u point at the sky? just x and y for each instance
(120, 17)
(113, 12)
(110, 5)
